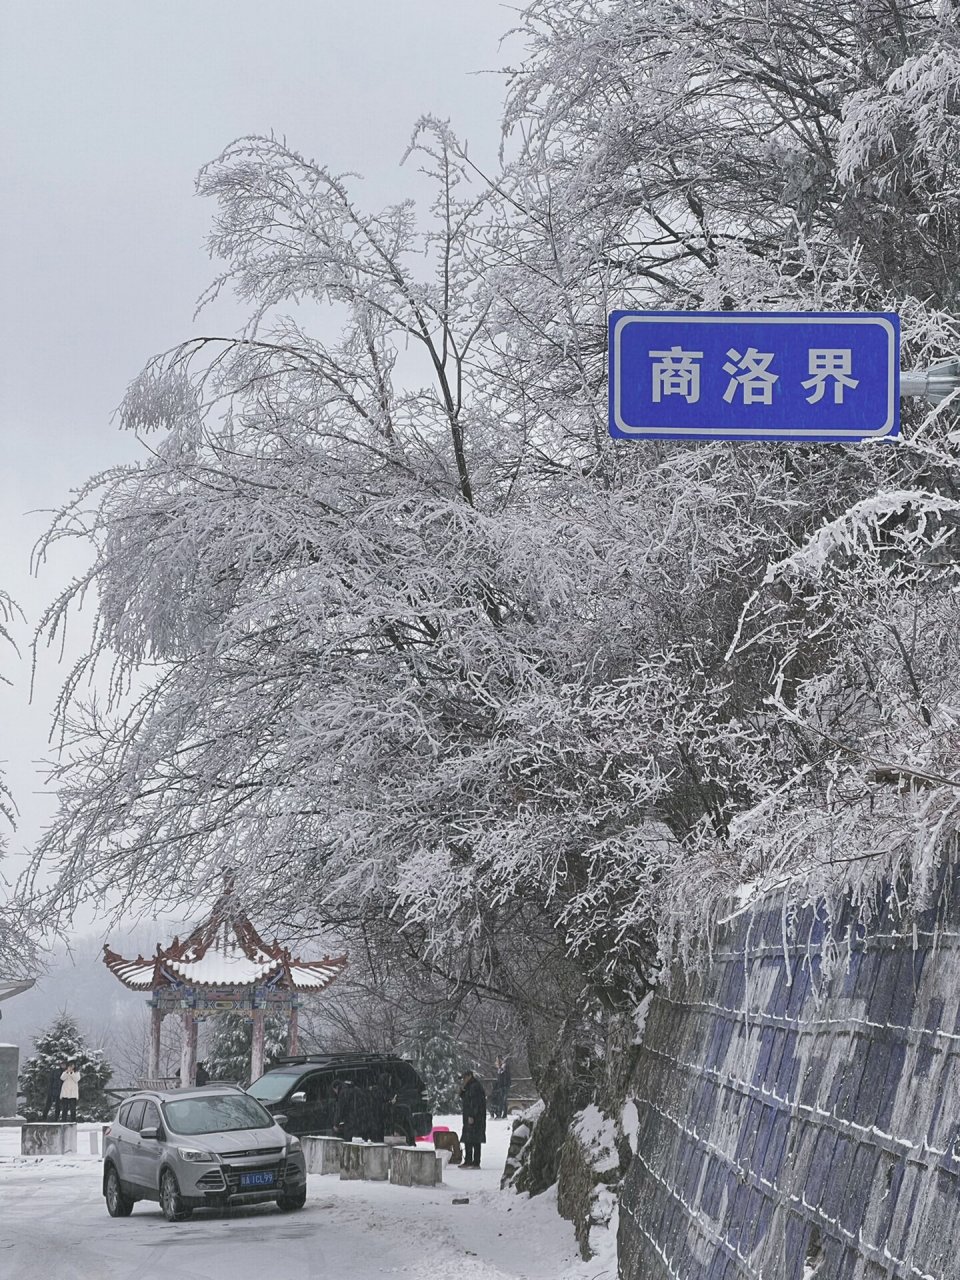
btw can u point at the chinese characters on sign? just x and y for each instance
(677, 373)
(830, 363)
(727, 375)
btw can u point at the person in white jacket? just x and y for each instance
(69, 1092)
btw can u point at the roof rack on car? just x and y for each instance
(351, 1059)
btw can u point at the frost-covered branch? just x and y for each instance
(393, 629)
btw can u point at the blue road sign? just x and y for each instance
(728, 375)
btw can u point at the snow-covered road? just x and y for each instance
(54, 1226)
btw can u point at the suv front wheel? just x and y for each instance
(295, 1200)
(171, 1202)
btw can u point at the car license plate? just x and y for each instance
(256, 1179)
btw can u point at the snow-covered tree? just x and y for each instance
(351, 591)
(438, 1058)
(384, 997)
(60, 1043)
(399, 634)
(227, 1052)
(778, 156)
(18, 949)
(129, 1045)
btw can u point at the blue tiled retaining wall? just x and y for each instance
(794, 1124)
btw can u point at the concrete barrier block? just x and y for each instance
(322, 1154)
(375, 1161)
(351, 1161)
(44, 1139)
(415, 1167)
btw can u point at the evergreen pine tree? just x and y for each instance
(228, 1053)
(59, 1044)
(435, 1054)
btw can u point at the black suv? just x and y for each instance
(301, 1088)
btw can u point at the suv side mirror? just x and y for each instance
(281, 1120)
(299, 1096)
(152, 1134)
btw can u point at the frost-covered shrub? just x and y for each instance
(60, 1043)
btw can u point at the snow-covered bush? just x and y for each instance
(60, 1043)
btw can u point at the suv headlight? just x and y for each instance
(293, 1144)
(192, 1156)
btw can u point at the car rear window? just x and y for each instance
(217, 1113)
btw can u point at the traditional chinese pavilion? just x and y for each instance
(224, 966)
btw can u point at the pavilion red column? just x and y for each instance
(293, 1029)
(156, 1020)
(188, 1054)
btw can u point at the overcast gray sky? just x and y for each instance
(107, 110)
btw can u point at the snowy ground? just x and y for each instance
(54, 1226)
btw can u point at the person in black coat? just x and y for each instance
(473, 1106)
(380, 1097)
(352, 1116)
(53, 1093)
(344, 1111)
(501, 1089)
(400, 1120)
(363, 1112)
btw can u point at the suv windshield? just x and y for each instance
(217, 1114)
(273, 1086)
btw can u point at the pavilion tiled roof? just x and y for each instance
(225, 950)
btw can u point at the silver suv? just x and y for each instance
(192, 1148)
